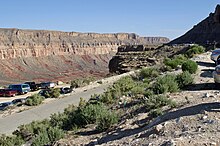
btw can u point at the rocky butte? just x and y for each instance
(43, 55)
(207, 31)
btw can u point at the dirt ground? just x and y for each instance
(195, 122)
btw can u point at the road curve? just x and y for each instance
(10, 123)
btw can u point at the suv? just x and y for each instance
(20, 88)
(33, 86)
(47, 85)
(216, 74)
(5, 105)
(215, 56)
(8, 92)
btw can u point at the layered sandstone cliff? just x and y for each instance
(42, 55)
(29, 43)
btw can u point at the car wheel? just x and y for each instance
(13, 95)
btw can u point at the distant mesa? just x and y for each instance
(207, 31)
(43, 55)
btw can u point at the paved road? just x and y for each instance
(10, 123)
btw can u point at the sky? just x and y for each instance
(166, 18)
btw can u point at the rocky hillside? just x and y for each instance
(55, 55)
(207, 31)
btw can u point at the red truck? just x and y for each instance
(8, 92)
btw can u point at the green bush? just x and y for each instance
(190, 66)
(171, 63)
(158, 101)
(121, 87)
(165, 84)
(150, 72)
(177, 60)
(34, 100)
(106, 120)
(48, 136)
(155, 113)
(11, 140)
(54, 93)
(195, 49)
(184, 79)
(81, 82)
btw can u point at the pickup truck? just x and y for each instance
(33, 86)
(47, 85)
(8, 92)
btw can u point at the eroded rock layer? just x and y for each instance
(52, 55)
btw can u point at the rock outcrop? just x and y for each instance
(207, 31)
(131, 57)
(54, 55)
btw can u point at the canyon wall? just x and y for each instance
(29, 43)
(42, 55)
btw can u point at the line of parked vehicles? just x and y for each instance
(24, 88)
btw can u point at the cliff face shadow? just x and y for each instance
(206, 64)
(188, 111)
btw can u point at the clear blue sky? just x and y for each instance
(169, 18)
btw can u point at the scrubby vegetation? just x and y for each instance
(81, 82)
(190, 66)
(34, 100)
(195, 49)
(144, 89)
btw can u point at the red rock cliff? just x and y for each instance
(42, 55)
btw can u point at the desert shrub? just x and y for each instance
(148, 93)
(184, 79)
(155, 113)
(48, 136)
(81, 82)
(190, 66)
(171, 63)
(137, 90)
(150, 72)
(158, 101)
(41, 139)
(55, 133)
(165, 84)
(34, 128)
(195, 49)
(76, 83)
(34, 100)
(54, 93)
(11, 140)
(106, 120)
(121, 87)
(81, 116)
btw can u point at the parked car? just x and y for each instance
(47, 85)
(20, 88)
(216, 74)
(65, 90)
(19, 101)
(8, 92)
(33, 86)
(215, 56)
(5, 105)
